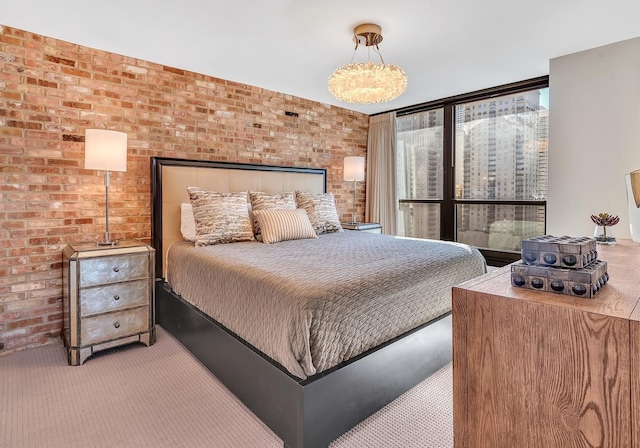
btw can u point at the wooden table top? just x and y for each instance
(620, 297)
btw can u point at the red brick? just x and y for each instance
(76, 105)
(58, 60)
(52, 327)
(76, 72)
(7, 39)
(23, 323)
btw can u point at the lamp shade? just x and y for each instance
(105, 150)
(354, 168)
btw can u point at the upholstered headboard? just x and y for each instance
(171, 177)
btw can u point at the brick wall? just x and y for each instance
(51, 91)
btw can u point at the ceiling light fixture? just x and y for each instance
(367, 82)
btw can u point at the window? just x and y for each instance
(474, 168)
(420, 173)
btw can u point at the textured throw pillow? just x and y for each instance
(322, 212)
(187, 223)
(220, 217)
(264, 201)
(279, 224)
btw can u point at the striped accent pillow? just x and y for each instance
(282, 225)
(262, 201)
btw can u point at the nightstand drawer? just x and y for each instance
(101, 270)
(114, 325)
(101, 299)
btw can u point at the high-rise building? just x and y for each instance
(501, 155)
(501, 143)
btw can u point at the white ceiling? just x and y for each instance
(447, 47)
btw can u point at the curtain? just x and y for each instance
(381, 197)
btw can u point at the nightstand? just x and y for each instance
(371, 227)
(108, 297)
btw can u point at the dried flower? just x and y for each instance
(605, 219)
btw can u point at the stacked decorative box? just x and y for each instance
(564, 265)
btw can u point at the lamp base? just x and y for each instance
(108, 243)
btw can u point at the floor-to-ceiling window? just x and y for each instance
(474, 168)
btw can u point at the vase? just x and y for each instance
(633, 202)
(605, 235)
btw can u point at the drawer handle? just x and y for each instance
(116, 297)
(117, 325)
(116, 269)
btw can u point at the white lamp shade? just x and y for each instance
(354, 168)
(105, 150)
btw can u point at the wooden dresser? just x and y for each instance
(538, 369)
(108, 294)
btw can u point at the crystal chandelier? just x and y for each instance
(367, 82)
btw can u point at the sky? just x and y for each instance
(544, 98)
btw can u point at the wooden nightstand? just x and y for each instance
(108, 297)
(371, 227)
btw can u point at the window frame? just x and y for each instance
(449, 202)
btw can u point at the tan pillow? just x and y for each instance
(220, 217)
(322, 212)
(279, 224)
(264, 201)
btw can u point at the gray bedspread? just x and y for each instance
(312, 304)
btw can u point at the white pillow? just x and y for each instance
(187, 222)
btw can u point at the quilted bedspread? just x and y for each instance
(311, 304)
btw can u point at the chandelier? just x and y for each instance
(367, 82)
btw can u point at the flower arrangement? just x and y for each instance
(602, 221)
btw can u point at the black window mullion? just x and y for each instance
(447, 210)
(520, 86)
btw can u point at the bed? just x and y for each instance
(288, 361)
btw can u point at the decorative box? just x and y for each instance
(562, 251)
(584, 282)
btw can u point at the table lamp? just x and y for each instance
(354, 170)
(106, 151)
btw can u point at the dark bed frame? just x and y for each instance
(305, 413)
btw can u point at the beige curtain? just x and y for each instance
(381, 198)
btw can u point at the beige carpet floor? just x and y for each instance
(160, 396)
